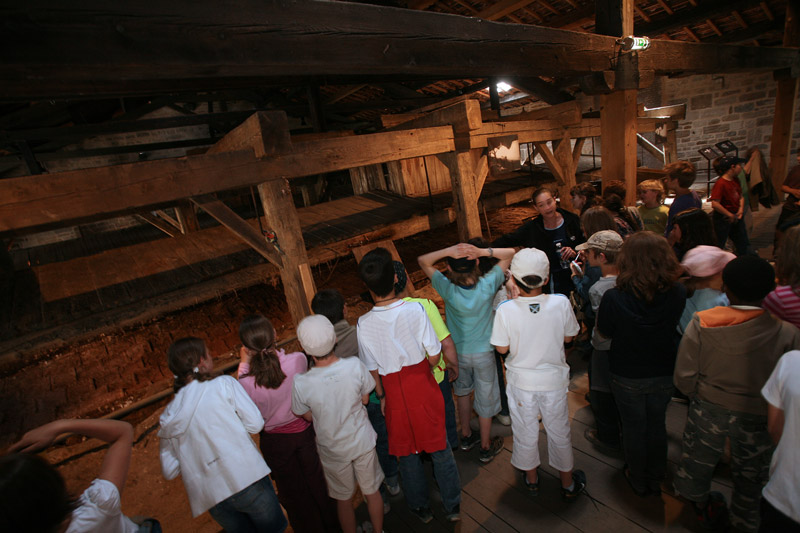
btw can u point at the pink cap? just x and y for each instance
(704, 261)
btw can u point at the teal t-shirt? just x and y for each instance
(469, 310)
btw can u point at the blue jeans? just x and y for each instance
(388, 462)
(736, 230)
(252, 509)
(449, 412)
(642, 405)
(416, 487)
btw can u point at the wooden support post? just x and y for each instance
(785, 103)
(463, 175)
(281, 217)
(618, 137)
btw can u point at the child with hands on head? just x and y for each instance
(468, 307)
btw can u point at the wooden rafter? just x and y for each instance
(639, 11)
(665, 6)
(691, 34)
(714, 27)
(738, 18)
(502, 8)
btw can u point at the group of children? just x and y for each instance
(364, 405)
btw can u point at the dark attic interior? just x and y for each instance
(167, 168)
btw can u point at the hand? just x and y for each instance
(512, 291)
(452, 373)
(245, 354)
(567, 253)
(731, 218)
(383, 405)
(467, 251)
(38, 439)
(739, 214)
(575, 271)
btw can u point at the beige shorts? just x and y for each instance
(342, 477)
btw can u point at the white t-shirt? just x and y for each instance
(782, 390)
(100, 510)
(333, 395)
(534, 328)
(394, 336)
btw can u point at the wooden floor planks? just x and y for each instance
(495, 501)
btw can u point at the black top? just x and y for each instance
(533, 234)
(644, 337)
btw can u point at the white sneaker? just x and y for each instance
(503, 419)
(393, 490)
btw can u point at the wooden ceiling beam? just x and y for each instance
(49, 48)
(49, 200)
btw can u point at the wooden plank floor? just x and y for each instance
(494, 500)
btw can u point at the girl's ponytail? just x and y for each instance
(183, 359)
(258, 335)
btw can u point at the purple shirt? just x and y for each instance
(276, 404)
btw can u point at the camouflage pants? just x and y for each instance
(704, 443)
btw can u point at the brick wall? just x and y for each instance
(739, 107)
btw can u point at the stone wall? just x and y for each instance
(738, 107)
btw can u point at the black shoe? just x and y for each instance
(453, 515)
(533, 488)
(495, 447)
(469, 442)
(423, 513)
(579, 480)
(713, 516)
(642, 493)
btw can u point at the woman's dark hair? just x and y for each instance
(588, 191)
(376, 270)
(597, 218)
(33, 496)
(183, 358)
(543, 189)
(696, 229)
(258, 335)
(647, 265)
(616, 204)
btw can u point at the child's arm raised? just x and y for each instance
(427, 261)
(115, 432)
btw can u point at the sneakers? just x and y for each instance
(579, 480)
(423, 513)
(503, 419)
(533, 488)
(393, 490)
(453, 515)
(495, 447)
(713, 516)
(467, 443)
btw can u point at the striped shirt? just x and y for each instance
(784, 303)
